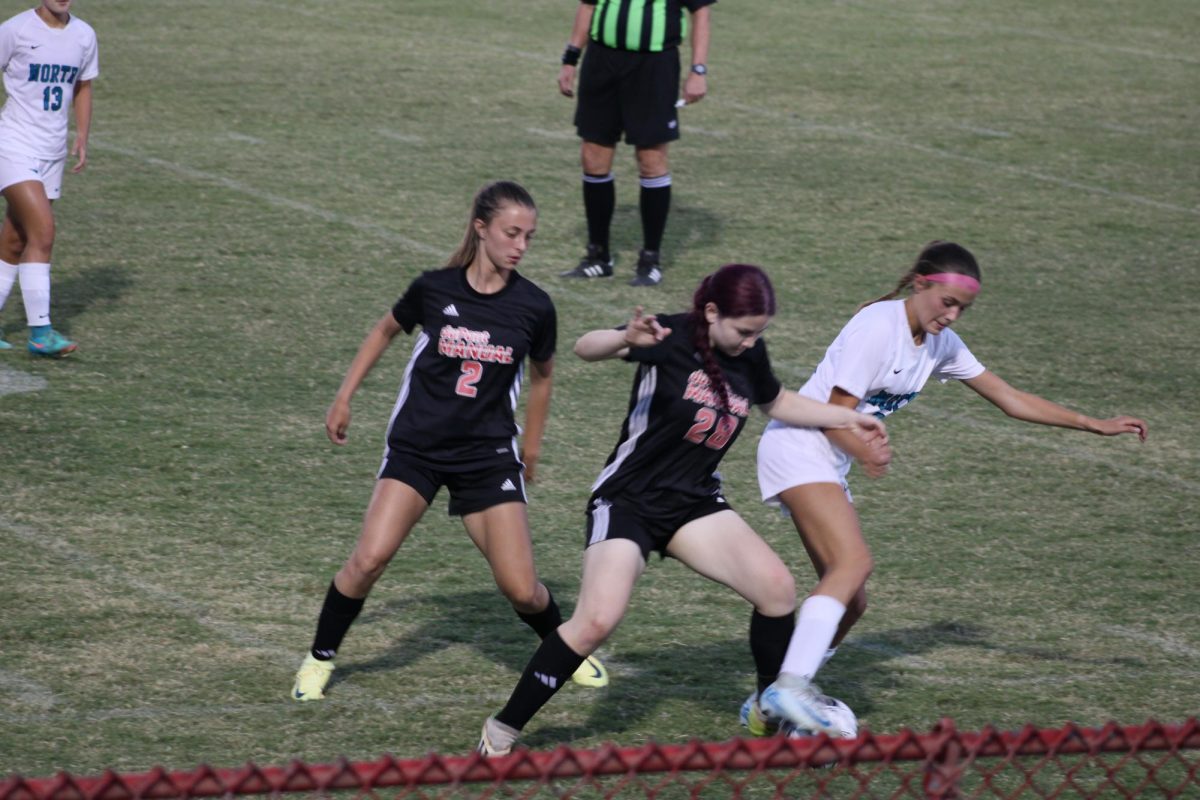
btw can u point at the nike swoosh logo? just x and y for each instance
(298, 694)
(897, 371)
(596, 673)
(34, 46)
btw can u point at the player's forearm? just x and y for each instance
(83, 111)
(601, 344)
(369, 352)
(583, 22)
(701, 31)
(537, 411)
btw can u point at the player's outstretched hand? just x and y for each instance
(337, 421)
(644, 331)
(1123, 424)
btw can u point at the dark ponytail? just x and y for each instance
(935, 257)
(737, 290)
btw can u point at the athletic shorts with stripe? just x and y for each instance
(607, 519)
(473, 487)
(621, 90)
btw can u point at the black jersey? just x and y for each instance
(676, 430)
(461, 385)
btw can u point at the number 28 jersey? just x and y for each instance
(460, 389)
(676, 430)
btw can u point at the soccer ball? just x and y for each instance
(845, 724)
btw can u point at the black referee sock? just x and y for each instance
(544, 621)
(599, 201)
(769, 637)
(337, 615)
(551, 666)
(655, 204)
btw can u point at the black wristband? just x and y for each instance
(571, 55)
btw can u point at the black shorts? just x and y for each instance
(627, 91)
(614, 520)
(495, 479)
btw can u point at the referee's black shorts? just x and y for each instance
(624, 91)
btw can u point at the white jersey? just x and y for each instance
(41, 67)
(873, 358)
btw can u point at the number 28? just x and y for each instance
(706, 418)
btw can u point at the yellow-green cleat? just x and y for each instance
(591, 673)
(756, 721)
(311, 679)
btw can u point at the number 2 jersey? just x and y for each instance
(41, 67)
(459, 393)
(676, 430)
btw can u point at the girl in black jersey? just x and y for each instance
(453, 422)
(698, 374)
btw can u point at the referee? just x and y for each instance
(628, 83)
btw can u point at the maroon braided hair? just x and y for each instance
(737, 290)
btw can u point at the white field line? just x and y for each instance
(244, 137)
(558, 135)
(28, 692)
(269, 197)
(960, 23)
(399, 136)
(937, 152)
(990, 133)
(1166, 643)
(13, 381)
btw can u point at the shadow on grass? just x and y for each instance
(91, 287)
(687, 227)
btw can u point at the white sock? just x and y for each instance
(830, 653)
(815, 629)
(35, 291)
(8, 274)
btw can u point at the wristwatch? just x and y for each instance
(699, 69)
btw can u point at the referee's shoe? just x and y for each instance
(648, 271)
(594, 265)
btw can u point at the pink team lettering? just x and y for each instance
(699, 389)
(457, 342)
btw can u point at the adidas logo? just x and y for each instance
(450, 311)
(508, 485)
(594, 270)
(548, 680)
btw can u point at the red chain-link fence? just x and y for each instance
(1140, 761)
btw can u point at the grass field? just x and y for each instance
(266, 177)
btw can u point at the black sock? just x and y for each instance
(655, 203)
(337, 615)
(551, 666)
(599, 201)
(769, 637)
(544, 621)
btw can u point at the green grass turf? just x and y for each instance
(265, 179)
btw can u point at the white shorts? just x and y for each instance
(17, 168)
(790, 457)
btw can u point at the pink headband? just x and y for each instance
(954, 279)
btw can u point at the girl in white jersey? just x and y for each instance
(49, 60)
(877, 364)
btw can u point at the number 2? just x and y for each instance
(472, 371)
